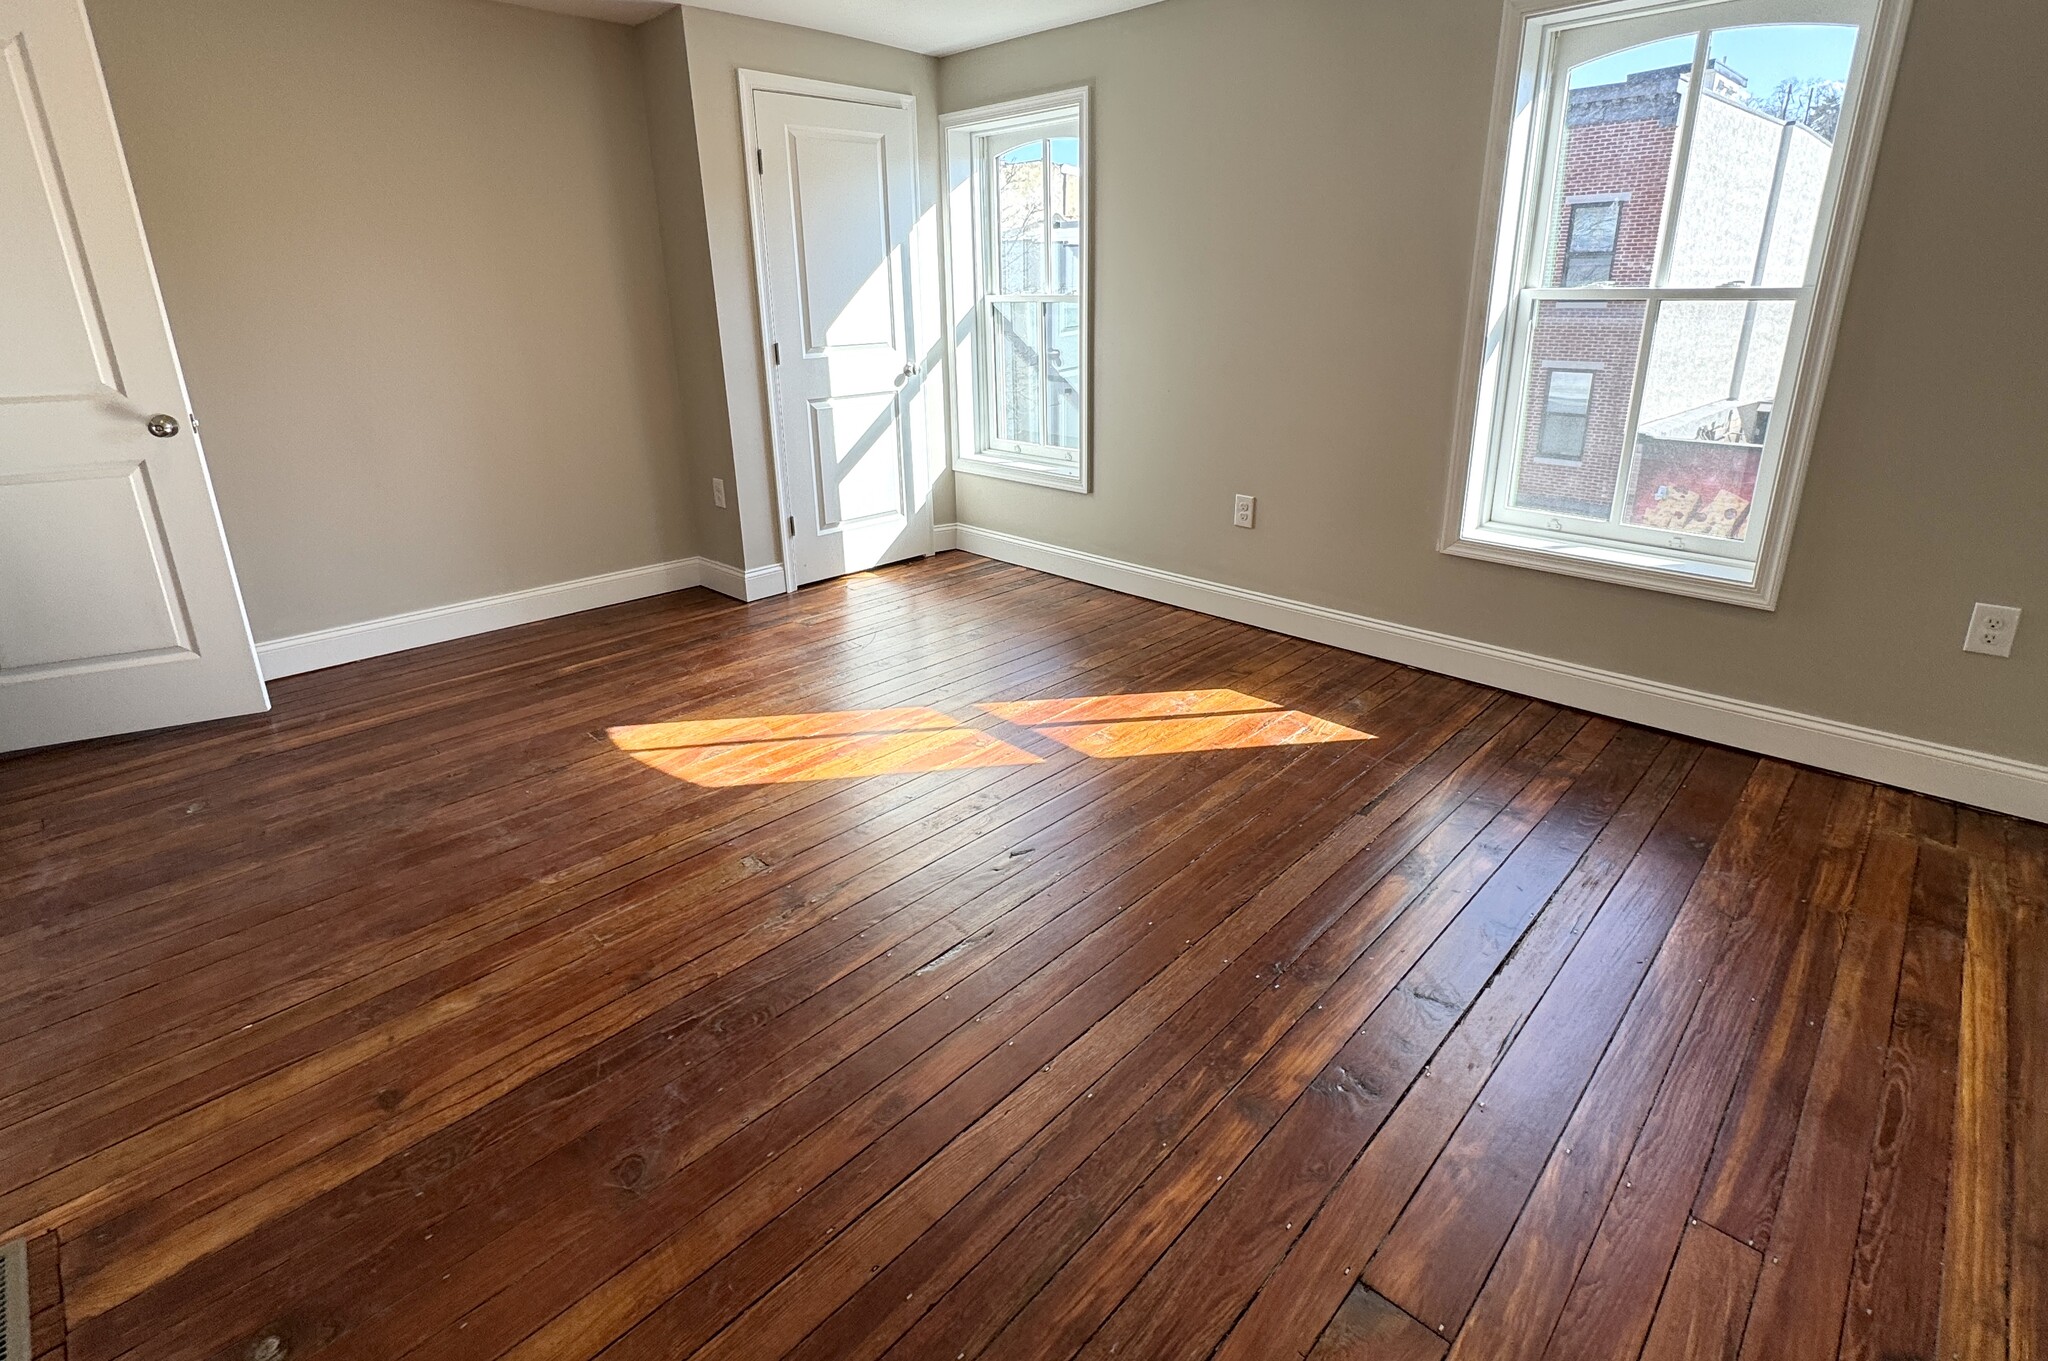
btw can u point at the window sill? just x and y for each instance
(1734, 583)
(1005, 470)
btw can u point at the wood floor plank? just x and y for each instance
(643, 983)
(1367, 1328)
(2027, 880)
(1895, 1286)
(1705, 1302)
(1805, 1272)
(1747, 1172)
(1974, 1254)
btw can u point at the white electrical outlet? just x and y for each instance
(1991, 630)
(718, 492)
(1241, 516)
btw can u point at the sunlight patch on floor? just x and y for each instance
(789, 748)
(854, 743)
(1171, 722)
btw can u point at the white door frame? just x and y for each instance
(751, 83)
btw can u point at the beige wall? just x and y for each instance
(1286, 218)
(714, 48)
(410, 254)
(692, 285)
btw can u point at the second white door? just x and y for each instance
(837, 217)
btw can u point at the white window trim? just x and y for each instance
(1514, 128)
(965, 254)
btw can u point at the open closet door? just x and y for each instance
(118, 604)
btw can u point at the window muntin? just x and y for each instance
(1018, 276)
(1674, 242)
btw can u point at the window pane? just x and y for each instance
(1582, 356)
(1760, 152)
(1621, 125)
(1064, 157)
(1708, 394)
(1020, 226)
(1019, 371)
(1063, 417)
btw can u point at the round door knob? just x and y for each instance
(162, 426)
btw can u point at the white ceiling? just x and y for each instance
(933, 27)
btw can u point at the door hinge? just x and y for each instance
(760, 162)
(775, 350)
(792, 526)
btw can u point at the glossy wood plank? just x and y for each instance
(1367, 1328)
(633, 985)
(1805, 1277)
(1746, 1174)
(1974, 1253)
(1895, 1286)
(1706, 1300)
(2027, 879)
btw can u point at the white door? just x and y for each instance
(118, 605)
(837, 212)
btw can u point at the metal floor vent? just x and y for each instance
(14, 1301)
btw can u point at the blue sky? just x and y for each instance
(1065, 151)
(1766, 55)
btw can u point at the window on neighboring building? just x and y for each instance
(1591, 233)
(1018, 275)
(1732, 139)
(1568, 396)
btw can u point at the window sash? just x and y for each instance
(1045, 450)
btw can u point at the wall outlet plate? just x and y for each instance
(718, 492)
(1991, 630)
(1241, 514)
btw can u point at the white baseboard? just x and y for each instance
(1971, 777)
(755, 583)
(443, 623)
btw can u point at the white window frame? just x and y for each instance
(1505, 281)
(969, 258)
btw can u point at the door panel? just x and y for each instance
(59, 343)
(841, 189)
(118, 604)
(97, 531)
(836, 213)
(856, 465)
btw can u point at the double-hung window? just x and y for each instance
(1679, 187)
(1018, 284)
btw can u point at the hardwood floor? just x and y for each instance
(490, 1000)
